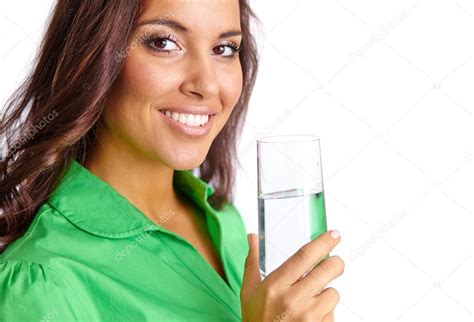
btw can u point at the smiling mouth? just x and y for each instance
(193, 120)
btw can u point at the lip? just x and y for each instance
(191, 109)
(193, 132)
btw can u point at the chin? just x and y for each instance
(186, 166)
(187, 161)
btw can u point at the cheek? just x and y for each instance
(231, 88)
(141, 85)
(147, 81)
(129, 116)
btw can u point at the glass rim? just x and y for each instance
(288, 138)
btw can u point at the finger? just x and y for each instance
(317, 279)
(305, 258)
(326, 301)
(328, 318)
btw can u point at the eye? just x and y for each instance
(167, 44)
(233, 50)
(162, 43)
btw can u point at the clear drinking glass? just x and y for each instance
(291, 208)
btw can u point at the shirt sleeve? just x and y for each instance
(33, 292)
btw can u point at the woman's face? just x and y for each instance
(177, 59)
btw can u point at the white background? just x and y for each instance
(389, 88)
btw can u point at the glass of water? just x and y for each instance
(291, 208)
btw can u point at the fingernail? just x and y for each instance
(335, 234)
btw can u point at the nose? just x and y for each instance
(200, 77)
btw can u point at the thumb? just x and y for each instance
(252, 276)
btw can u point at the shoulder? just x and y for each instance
(234, 229)
(28, 273)
(238, 218)
(35, 292)
(45, 237)
(233, 218)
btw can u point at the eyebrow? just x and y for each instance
(180, 27)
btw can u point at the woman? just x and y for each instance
(103, 218)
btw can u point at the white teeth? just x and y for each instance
(197, 120)
(188, 119)
(182, 118)
(175, 116)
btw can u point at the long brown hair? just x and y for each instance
(53, 116)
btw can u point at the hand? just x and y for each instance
(285, 295)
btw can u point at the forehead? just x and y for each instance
(199, 15)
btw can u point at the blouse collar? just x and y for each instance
(96, 207)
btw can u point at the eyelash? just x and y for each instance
(148, 40)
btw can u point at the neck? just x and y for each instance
(147, 183)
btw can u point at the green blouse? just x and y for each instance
(91, 255)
